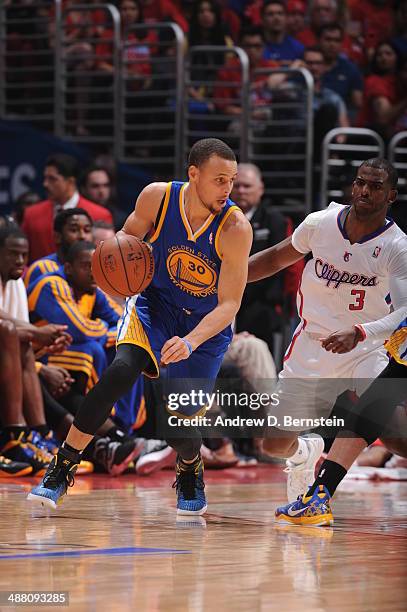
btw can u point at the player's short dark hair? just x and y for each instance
(205, 148)
(78, 247)
(66, 165)
(379, 163)
(10, 230)
(63, 216)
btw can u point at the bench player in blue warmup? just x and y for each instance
(201, 243)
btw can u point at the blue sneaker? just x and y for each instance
(308, 510)
(54, 485)
(190, 487)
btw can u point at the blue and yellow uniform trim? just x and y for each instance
(91, 322)
(396, 345)
(45, 265)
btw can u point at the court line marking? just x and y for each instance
(129, 550)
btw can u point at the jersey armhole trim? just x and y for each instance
(161, 213)
(221, 224)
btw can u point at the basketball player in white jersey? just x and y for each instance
(359, 257)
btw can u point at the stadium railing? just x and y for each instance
(216, 78)
(88, 73)
(151, 87)
(280, 136)
(27, 61)
(343, 150)
(397, 153)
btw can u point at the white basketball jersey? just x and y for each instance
(344, 284)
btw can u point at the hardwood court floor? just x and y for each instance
(115, 545)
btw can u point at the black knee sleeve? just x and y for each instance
(188, 444)
(117, 379)
(376, 406)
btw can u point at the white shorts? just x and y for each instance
(312, 378)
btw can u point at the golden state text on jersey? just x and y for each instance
(187, 263)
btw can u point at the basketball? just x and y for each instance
(123, 265)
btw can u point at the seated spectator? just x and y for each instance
(296, 11)
(25, 436)
(158, 11)
(206, 28)
(324, 12)
(137, 46)
(321, 13)
(328, 107)
(70, 226)
(23, 201)
(400, 40)
(262, 304)
(385, 100)
(279, 46)
(97, 186)
(60, 175)
(376, 19)
(227, 93)
(341, 75)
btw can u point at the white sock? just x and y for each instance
(301, 454)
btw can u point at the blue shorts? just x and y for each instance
(150, 325)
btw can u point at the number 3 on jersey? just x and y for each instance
(359, 299)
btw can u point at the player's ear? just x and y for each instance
(193, 172)
(57, 238)
(392, 196)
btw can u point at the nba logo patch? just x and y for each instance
(211, 238)
(347, 256)
(376, 252)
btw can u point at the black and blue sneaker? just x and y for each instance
(58, 477)
(190, 487)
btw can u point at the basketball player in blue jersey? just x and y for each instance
(201, 244)
(70, 225)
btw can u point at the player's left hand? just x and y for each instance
(342, 341)
(175, 349)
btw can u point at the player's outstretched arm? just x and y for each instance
(141, 221)
(235, 244)
(273, 260)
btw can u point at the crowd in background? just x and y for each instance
(358, 59)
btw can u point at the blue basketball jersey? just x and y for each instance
(187, 264)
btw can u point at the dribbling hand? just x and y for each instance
(175, 349)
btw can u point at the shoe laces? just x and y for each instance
(58, 473)
(188, 480)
